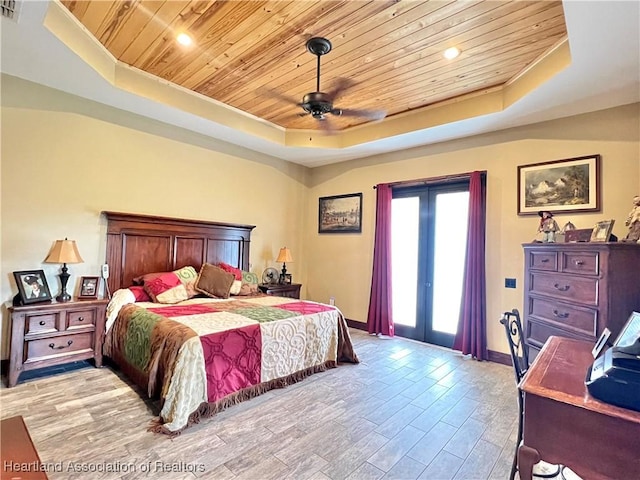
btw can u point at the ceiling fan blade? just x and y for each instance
(369, 114)
(341, 85)
(326, 126)
(272, 93)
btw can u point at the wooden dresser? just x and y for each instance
(46, 334)
(577, 290)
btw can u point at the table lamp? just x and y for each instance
(64, 251)
(284, 256)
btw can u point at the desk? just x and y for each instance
(18, 456)
(563, 424)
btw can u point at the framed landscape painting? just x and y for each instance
(560, 186)
(340, 214)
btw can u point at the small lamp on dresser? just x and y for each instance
(284, 256)
(64, 251)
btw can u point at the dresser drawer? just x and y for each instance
(47, 322)
(568, 287)
(583, 321)
(585, 263)
(539, 260)
(58, 346)
(81, 318)
(539, 332)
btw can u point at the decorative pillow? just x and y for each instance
(139, 280)
(166, 288)
(140, 293)
(188, 277)
(249, 284)
(214, 282)
(237, 273)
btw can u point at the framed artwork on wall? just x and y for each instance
(560, 186)
(32, 287)
(340, 214)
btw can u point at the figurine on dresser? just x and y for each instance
(633, 222)
(548, 227)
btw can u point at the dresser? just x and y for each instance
(291, 290)
(577, 290)
(49, 334)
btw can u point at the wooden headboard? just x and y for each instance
(139, 244)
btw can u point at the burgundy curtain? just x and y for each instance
(471, 337)
(380, 319)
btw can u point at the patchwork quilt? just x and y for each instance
(204, 354)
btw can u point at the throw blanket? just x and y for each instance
(202, 355)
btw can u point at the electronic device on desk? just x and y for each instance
(615, 376)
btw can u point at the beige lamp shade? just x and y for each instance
(284, 255)
(64, 251)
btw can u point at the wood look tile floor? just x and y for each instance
(407, 411)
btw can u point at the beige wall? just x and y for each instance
(64, 160)
(60, 169)
(340, 265)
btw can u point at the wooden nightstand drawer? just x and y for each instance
(543, 261)
(47, 322)
(289, 290)
(81, 318)
(58, 346)
(582, 290)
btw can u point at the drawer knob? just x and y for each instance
(579, 263)
(545, 260)
(53, 345)
(80, 319)
(42, 322)
(560, 315)
(562, 288)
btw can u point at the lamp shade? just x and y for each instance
(64, 251)
(284, 255)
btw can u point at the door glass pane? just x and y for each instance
(450, 249)
(405, 218)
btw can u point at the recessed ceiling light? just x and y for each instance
(184, 39)
(451, 53)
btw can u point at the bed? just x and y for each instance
(202, 353)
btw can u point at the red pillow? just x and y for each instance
(140, 294)
(237, 273)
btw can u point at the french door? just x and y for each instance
(429, 235)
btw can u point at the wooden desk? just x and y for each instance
(18, 456)
(563, 424)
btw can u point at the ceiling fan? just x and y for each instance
(318, 104)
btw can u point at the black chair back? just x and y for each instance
(515, 338)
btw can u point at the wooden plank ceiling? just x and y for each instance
(251, 54)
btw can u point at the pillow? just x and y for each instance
(249, 284)
(231, 269)
(188, 276)
(139, 280)
(139, 293)
(166, 288)
(214, 282)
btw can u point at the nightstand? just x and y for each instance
(49, 334)
(290, 290)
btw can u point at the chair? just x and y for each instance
(520, 360)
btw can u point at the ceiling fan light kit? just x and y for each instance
(318, 104)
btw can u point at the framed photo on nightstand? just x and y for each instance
(32, 287)
(89, 287)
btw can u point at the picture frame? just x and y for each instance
(602, 231)
(287, 279)
(89, 287)
(560, 186)
(340, 213)
(32, 287)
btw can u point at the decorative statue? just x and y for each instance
(633, 222)
(548, 226)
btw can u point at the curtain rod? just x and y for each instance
(424, 181)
